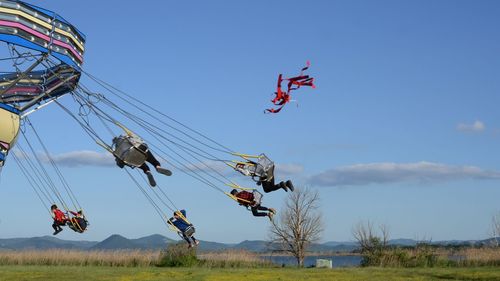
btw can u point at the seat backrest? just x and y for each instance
(129, 152)
(257, 197)
(190, 230)
(264, 167)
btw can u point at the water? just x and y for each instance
(338, 261)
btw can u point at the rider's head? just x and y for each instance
(53, 207)
(234, 192)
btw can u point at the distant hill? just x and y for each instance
(213, 246)
(44, 242)
(341, 246)
(157, 241)
(253, 246)
(116, 242)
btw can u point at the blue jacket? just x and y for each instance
(180, 223)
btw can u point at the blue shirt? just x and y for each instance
(180, 223)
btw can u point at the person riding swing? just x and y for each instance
(183, 227)
(78, 222)
(262, 172)
(59, 217)
(253, 201)
(131, 150)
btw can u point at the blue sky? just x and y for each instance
(403, 128)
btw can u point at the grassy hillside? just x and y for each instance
(48, 273)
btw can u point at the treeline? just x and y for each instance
(428, 255)
(376, 251)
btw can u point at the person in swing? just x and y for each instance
(78, 222)
(131, 150)
(185, 228)
(253, 200)
(262, 172)
(59, 217)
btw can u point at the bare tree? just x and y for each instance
(367, 238)
(299, 224)
(384, 230)
(495, 229)
(370, 243)
(363, 233)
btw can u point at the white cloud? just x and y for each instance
(288, 169)
(82, 158)
(72, 159)
(475, 127)
(388, 173)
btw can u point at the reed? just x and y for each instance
(133, 258)
(58, 257)
(428, 256)
(233, 259)
(478, 257)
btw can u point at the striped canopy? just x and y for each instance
(42, 30)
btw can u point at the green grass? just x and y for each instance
(73, 273)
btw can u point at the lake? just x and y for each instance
(338, 261)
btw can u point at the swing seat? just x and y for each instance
(257, 198)
(78, 224)
(264, 167)
(190, 230)
(131, 151)
(261, 170)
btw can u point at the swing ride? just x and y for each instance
(44, 63)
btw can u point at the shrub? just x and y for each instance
(178, 255)
(372, 252)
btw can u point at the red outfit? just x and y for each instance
(246, 196)
(59, 216)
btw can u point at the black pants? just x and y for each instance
(151, 159)
(269, 186)
(256, 209)
(188, 239)
(57, 226)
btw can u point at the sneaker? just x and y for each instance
(283, 185)
(289, 184)
(197, 242)
(190, 246)
(270, 215)
(163, 171)
(272, 210)
(151, 179)
(56, 232)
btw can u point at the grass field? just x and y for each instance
(77, 273)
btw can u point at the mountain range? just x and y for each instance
(156, 241)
